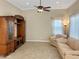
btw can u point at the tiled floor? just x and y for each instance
(32, 50)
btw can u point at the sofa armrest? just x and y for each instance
(76, 53)
(52, 37)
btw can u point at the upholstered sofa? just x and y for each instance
(68, 48)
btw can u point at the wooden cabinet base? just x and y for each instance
(6, 49)
(19, 42)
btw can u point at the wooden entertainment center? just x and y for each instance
(12, 33)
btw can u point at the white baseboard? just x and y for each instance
(37, 41)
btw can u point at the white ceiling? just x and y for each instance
(29, 4)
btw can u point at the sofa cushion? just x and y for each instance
(62, 40)
(52, 37)
(73, 43)
(61, 36)
(77, 45)
(58, 38)
(64, 47)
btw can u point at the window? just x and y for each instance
(57, 27)
(74, 26)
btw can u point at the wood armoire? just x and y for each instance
(12, 33)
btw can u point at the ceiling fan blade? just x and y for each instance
(47, 7)
(47, 10)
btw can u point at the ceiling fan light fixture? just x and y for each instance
(40, 10)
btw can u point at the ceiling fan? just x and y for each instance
(42, 8)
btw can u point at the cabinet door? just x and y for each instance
(3, 30)
(10, 26)
(10, 47)
(10, 30)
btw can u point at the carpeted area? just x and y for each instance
(34, 50)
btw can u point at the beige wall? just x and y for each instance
(8, 9)
(38, 26)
